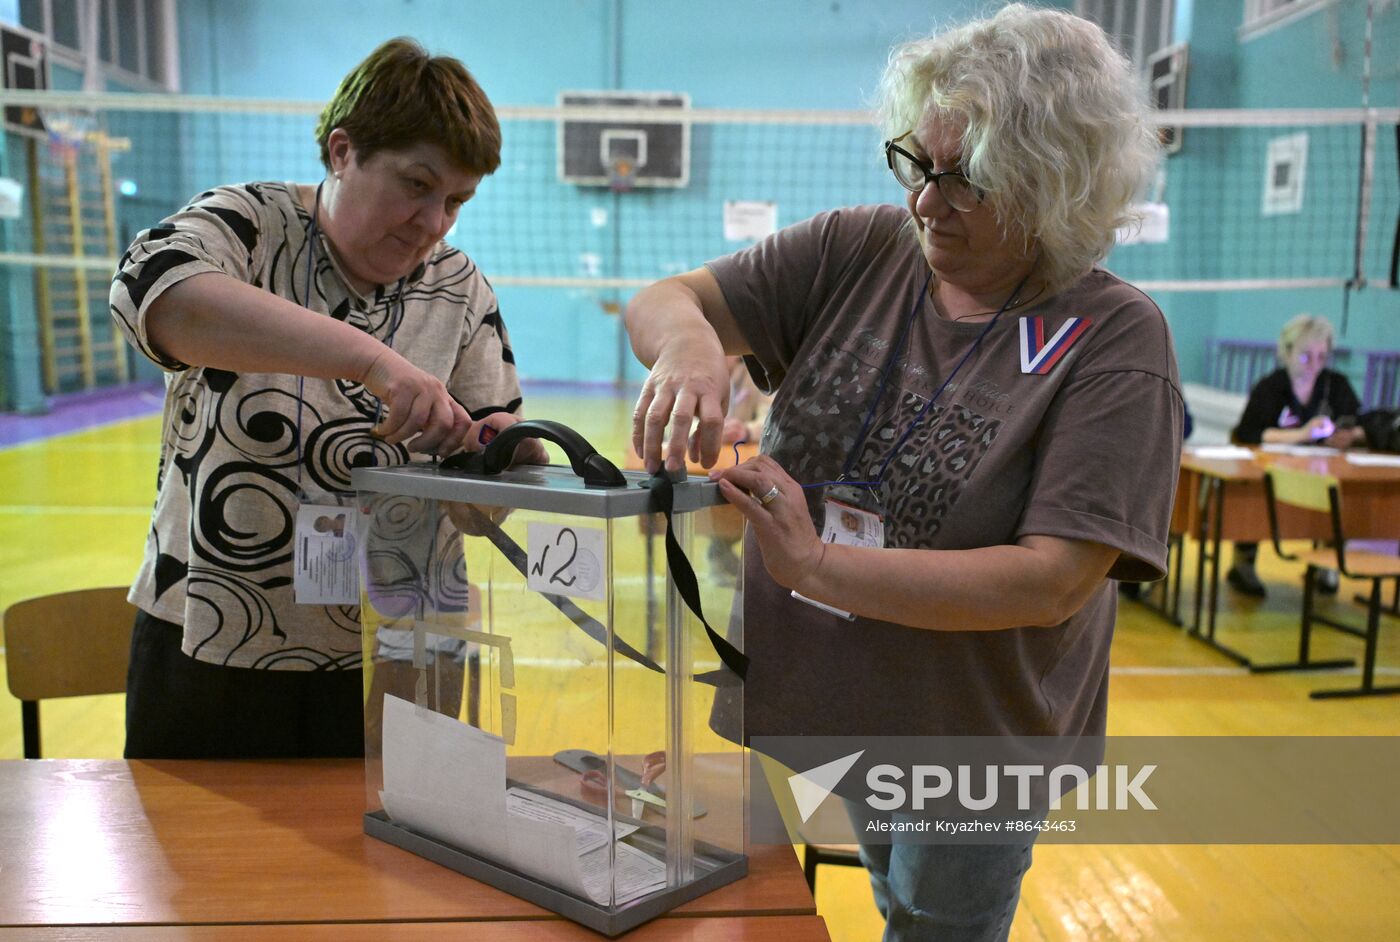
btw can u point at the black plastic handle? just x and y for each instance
(595, 470)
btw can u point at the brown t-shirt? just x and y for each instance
(1086, 449)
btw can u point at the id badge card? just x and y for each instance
(326, 558)
(851, 525)
(847, 524)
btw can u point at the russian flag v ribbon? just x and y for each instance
(1039, 356)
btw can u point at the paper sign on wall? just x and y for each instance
(565, 560)
(1284, 171)
(11, 198)
(749, 220)
(1153, 228)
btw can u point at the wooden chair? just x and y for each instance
(70, 644)
(1322, 493)
(814, 855)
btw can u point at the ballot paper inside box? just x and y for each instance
(544, 710)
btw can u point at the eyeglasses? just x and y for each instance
(1310, 358)
(914, 174)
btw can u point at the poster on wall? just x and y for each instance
(25, 67)
(1284, 170)
(11, 198)
(1152, 227)
(749, 220)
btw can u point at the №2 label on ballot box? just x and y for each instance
(565, 560)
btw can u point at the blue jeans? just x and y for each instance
(945, 892)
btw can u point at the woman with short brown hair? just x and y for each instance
(306, 330)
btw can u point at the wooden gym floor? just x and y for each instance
(73, 514)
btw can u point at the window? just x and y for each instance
(63, 21)
(135, 38)
(1139, 28)
(31, 15)
(1262, 16)
(153, 25)
(129, 35)
(107, 32)
(1166, 83)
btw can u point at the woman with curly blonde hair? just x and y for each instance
(984, 425)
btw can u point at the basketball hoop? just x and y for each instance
(622, 174)
(600, 143)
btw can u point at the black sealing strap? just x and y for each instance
(589, 625)
(683, 575)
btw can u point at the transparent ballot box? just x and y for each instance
(544, 710)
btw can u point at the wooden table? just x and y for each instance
(719, 929)
(104, 849)
(1223, 499)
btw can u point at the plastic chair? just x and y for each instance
(1322, 493)
(70, 644)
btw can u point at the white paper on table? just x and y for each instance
(545, 844)
(638, 874)
(549, 850)
(1222, 453)
(479, 834)
(590, 830)
(546, 851)
(1373, 460)
(1301, 451)
(447, 779)
(434, 763)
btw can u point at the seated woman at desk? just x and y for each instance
(1301, 402)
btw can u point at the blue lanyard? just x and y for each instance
(395, 319)
(884, 380)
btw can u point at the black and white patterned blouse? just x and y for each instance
(219, 553)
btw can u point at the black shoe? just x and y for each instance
(1327, 581)
(1245, 582)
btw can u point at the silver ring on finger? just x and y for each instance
(769, 496)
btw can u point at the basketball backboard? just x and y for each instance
(620, 153)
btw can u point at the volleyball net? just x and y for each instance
(607, 198)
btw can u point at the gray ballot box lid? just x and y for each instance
(549, 488)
